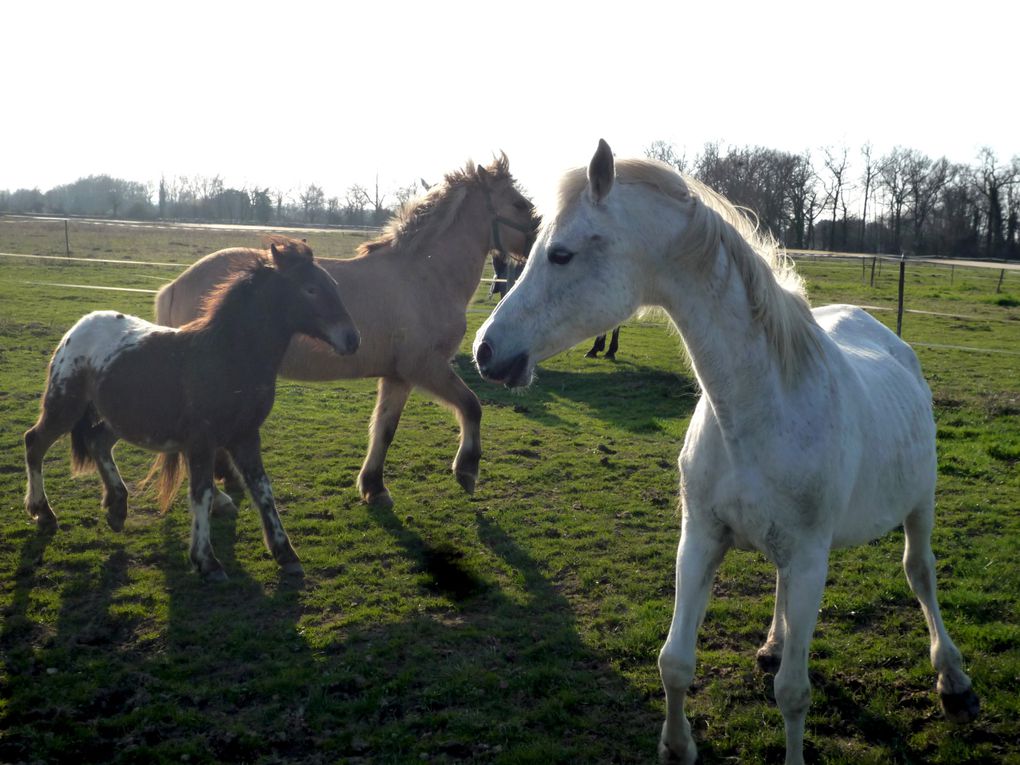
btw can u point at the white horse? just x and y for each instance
(814, 429)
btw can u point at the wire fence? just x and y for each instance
(872, 269)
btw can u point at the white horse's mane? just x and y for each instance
(775, 290)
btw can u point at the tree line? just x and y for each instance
(200, 198)
(902, 201)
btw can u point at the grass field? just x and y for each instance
(520, 625)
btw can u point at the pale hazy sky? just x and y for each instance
(284, 94)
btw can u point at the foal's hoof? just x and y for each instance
(962, 707)
(467, 481)
(116, 512)
(223, 505)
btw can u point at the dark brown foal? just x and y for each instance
(187, 392)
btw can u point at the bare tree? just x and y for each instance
(894, 184)
(837, 164)
(869, 176)
(993, 181)
(666, 152)
(312, 201)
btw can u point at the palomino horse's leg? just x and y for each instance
(770, 655)
(455, 392)
(389, 405)
(248, 458)
(959, 702)
(202, 490)
(697, 559)
(100, 442)
(803, 580)
(614, 345)
(233, 484)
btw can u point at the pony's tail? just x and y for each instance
(171, 476)
(82, 461)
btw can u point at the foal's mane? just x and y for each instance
(230, 294)
(775, 291)
(432, 213)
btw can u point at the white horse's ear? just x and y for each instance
(601, 171)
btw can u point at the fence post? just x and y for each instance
(67, 241)
(873, 260)
(863, 263)
(952, 273)
(899, 304)
(998, 287)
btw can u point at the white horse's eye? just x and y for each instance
(560, 255)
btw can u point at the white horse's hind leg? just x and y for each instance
(697, 559)
(959, 702)
(803, 580)
(770, 655)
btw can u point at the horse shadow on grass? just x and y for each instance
(627, 395)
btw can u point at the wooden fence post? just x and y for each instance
(873, 261)
(67, 241)
(998, 287)
(899, 304)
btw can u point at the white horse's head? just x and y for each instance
(588, 270)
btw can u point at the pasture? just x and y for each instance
(518, 625)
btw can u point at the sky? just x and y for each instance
(290, 93)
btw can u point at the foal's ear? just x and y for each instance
(483, 174)
(601, 171)
(287, 256)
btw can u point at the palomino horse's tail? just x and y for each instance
(169, 466)
(165, 305)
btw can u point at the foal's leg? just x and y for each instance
(59, 414)
(233, 484)
(455, 392)
(770, 655)
(202, 490)
(248, 458)
(389, 405)
(598, 346)
(959, 702)
(697, 558)
(100, 442)
(803, 581)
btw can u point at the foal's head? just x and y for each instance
(312, 305)
(514, 219)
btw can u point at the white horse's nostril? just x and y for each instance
(483, 354)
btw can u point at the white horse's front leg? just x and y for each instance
(803, 581)
(698, 556)
(770, 655)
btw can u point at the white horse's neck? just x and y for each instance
(729, 350)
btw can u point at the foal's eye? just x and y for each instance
(559, 255)
(522, 206)
(312, 291)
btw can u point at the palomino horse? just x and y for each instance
(407, 291)
(187, 392)
(814, 429)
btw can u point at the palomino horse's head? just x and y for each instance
(316, 308)
(514, 220)
(585, 275)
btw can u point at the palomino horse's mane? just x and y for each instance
(775, 290)
(432, 213)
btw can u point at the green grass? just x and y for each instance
(520, 625)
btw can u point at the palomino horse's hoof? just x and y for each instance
(294, 568)
(963, 707)
(44, 517)
(467, 481)
(381, 500)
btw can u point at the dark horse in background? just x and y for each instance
(187, 392)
